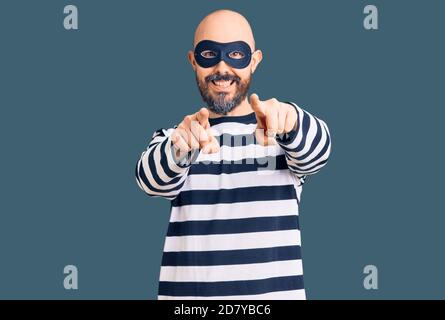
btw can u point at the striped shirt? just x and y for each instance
(234, 230)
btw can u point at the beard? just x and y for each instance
(219, 102)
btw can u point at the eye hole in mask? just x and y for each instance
(209, 53)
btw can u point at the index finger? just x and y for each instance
(203, 117)
(256, 104)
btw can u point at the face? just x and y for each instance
(223, 73)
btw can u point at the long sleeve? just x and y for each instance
(157, 172)
(307, 148)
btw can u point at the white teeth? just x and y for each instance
(223, 84)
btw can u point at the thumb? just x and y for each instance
(256, 104)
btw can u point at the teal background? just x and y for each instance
(78, 108)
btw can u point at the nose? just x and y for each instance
(223, 67)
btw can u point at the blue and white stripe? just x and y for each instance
(234, 224)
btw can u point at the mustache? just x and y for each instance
(223, 77)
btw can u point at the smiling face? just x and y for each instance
(224, 84)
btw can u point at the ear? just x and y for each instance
(191, 57)
(257, 56)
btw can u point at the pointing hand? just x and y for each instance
(273, 117)
(194, 133)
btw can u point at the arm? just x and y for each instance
(162, 169)
(157, 172)
(304, 138)
(307, 146)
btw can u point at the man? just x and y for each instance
(234, 173)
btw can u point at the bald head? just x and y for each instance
(224, 26)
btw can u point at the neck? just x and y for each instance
(242, 109)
